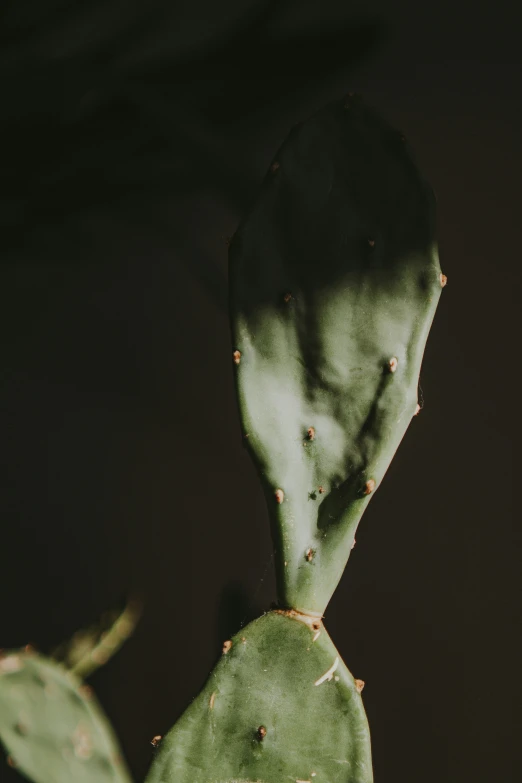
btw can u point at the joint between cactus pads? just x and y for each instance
(334, 281)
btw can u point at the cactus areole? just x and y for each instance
(334, 281)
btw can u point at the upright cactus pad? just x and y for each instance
(52, 726)
(334, 280)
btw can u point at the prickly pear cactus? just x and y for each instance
(334, 278)
(52, 726)
(280, 705)
(335, 281)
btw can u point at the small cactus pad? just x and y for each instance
(280, 705)
(94, 646)
(335, 278)
(52, 726)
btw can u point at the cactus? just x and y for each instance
(280, 705)
(334, 281)
(52, 725)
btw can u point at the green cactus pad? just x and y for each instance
(279, 705)
(52, 726)
(334, 278)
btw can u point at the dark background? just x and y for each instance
(133, 135)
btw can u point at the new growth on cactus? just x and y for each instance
(51, 724)
(334, 281)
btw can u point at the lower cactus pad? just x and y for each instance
(279, 705)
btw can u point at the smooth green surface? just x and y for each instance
(314, 732)
(53, 729)
(333, 272)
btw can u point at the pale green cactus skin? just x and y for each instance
(52, 726)
(334, 281)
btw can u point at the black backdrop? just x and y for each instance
(132, 137)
